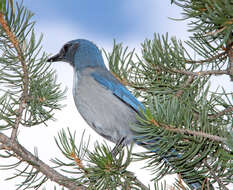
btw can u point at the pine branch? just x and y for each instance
(194, 112)
(189, 132)
(180, 182)
(25, 155)
(24, 97)
(137, 181)
(102, 170)
(230, 55)
(221, 113)
(220, 56)
(126, 82)
(200, 73)
(214, 175)
(187, 83)
(33, 96)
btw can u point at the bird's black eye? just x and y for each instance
(66, 47)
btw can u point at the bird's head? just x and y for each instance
(80, 54)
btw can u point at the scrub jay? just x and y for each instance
(105, 104)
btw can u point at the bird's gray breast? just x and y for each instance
(103, 111)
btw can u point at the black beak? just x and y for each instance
(55, 58)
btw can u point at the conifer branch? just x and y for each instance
(24, 97)
(188, 132)
(187, 83)
(230, 55)
(180, 181)
(126, 82)
(214, 175)
(214, 33)
(137, 181)
(26, 156)
(221, 113)
(200, 73)
(220, 56)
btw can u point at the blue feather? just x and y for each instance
(110, 82)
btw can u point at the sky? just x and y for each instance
(127, 21)
(105, 20)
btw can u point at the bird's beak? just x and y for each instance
(55, 58)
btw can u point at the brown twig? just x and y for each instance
(200, 73)
(229, 109)
(24, 97)
(181, 182)
(212, 33)
(125, 82)
(137, 182)
(220, 56)
(35, 162)
(214, 116)
(77, 160)
(188, 132)
(206, 181)
(187, 83)
(214, 175)
(230, 55)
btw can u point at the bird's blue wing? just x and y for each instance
(106, 79)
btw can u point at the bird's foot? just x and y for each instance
(118, 147)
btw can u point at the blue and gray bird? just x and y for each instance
(105, 104)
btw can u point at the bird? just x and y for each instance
(105, 104)
(101, 99)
